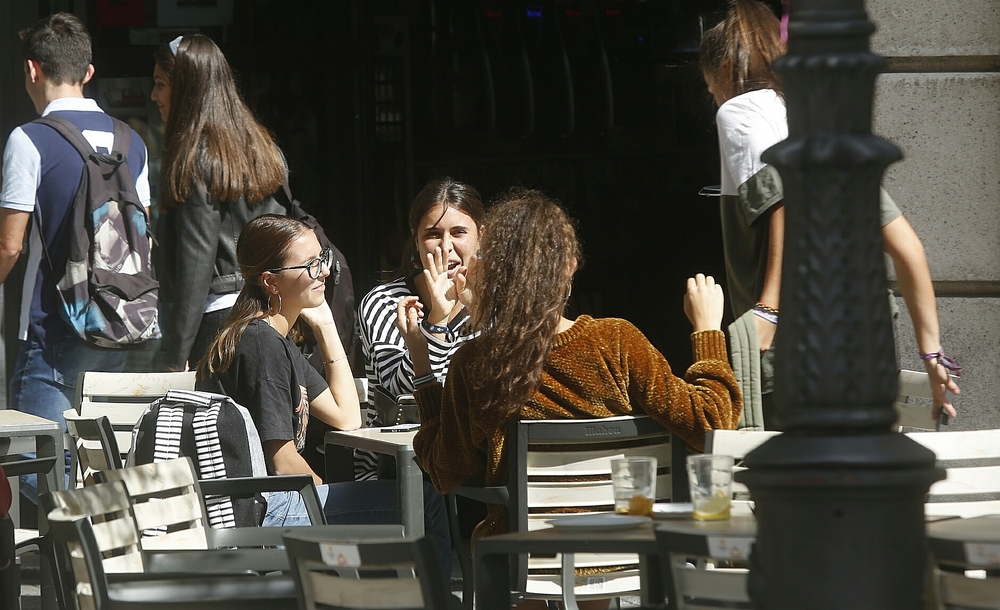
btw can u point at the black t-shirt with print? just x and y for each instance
(273, 380)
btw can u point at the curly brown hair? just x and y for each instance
(737, 53)
(521, 287)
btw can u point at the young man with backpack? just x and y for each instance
(42, 173)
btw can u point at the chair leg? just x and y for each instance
(9, 586)
(463, 551)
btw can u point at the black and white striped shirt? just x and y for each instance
(387, 361)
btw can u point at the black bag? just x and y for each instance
(220, 438)
(395, 411)
(339, 287)
(106, 290)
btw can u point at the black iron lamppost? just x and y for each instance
(839, 498)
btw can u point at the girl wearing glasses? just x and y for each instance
(220, 169)
(256, 364)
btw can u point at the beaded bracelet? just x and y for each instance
(434, 328)
(945, 361)
(335, 360)
(767, 313)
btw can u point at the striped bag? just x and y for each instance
(220, 438)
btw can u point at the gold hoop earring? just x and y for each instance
(270, 307)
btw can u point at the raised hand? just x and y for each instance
(704, 303)
(444, 297)
(409, 311)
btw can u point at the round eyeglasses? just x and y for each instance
(313, 267)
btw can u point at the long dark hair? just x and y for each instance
(521, 287)
(449, 194)
(737, 53)
(212, 138)
(264, 244)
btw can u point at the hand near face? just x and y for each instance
(319, 316)
(704, 303)
(444, 296)
(409, 313)
(460, 287)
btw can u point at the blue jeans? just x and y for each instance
(44, 383)
(365, 502)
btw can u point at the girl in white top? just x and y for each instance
(736, 58)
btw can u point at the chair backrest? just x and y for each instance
(914, 402)
(556, 465)
(696, 588)
(107, 507)
(83, 577)
(957, 591)
(971, 459)
(167, 503)
(124, 396)
(95, 446)
(736, 443)
(559, 466)
(327, 572)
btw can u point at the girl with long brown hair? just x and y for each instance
(531, 362)
(736, 57)
(445, 221)
(252, 360)
(220, 169)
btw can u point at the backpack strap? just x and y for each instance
(66, 128)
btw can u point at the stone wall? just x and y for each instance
(940, 104)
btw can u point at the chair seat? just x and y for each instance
(237, 592)
(611, 584)
(25, 536)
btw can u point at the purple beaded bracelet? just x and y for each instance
(945, 361)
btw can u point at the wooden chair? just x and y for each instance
(123, 397)
(559, 466)
(171, 505)
(970, 457)
(704, 587)
(95, 447)
(87, 585)
(330, 573)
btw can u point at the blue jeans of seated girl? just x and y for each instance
(365, 502)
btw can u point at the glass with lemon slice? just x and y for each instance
(710, 478)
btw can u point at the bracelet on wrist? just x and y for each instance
(945, 361)
(771, 317)
(335, 360)
(762, 307)
(433, 328)
(424, 380)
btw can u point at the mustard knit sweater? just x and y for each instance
(597, 368)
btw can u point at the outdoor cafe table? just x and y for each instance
(24, 433)
(493, 568)
(409, 477)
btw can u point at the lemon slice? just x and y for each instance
(713, 509)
